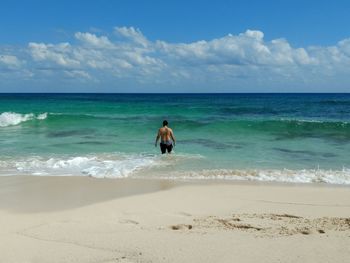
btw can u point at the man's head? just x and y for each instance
(165, 123)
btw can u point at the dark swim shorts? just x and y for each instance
(166, 147)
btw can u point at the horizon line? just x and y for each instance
(174, 93)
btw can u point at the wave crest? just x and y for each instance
(151, 166)
(13, 118)
(100, 166)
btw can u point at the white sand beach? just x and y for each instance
(82, 219)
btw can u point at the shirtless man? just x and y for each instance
(167, 141)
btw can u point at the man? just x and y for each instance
(167, 141)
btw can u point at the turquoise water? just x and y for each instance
(278, 137)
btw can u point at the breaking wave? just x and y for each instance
(12, 118)
(154, 166)
(111, 165)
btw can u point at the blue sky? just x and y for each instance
(175, 46)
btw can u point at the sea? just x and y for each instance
(293, 138)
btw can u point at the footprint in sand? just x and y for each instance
(181, 227)
(128, 221)
(305, 231)
(274, 224)
(184, 214)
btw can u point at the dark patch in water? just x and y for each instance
(329, 155)
(339, 138)
(247, 110)
(128, 118)
(304, 152)
(336, 138)
(186, 124)
(294, 151)
(336, 102)
(58, 144)
(288, 135)
(88, 137)
(337, 132)
(93, 143)
(213, 144)
(111, 135)
(70, 133)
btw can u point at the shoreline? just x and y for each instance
(37, 193)
(26, 192)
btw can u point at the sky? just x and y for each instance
(174, 46)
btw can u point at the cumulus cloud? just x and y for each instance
(132, 34)
(247, 48)
(94, 41)
(344, 46)
(245, 59)
(10, 61)
(58, 54)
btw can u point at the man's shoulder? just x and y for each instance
(163, 129)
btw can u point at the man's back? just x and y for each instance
(167, 138)
(165, 134)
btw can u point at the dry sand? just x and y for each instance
(81, 219)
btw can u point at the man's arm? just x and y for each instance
(158, 135)
(173, 137)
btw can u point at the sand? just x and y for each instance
(82, 219)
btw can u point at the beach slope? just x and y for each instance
(78, 219)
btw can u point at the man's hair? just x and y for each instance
(165, 123)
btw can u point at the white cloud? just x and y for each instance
(93, 40)
(245, 59)
(10, 61)
(58, 54)
(98, 55)
(344, 46)
(132, 34)
(254, 34)
(77, 74)
(247, 48)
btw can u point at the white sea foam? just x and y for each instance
(13, 118)
(42, 116)
(151, 166)
(341, 177)
(306, 121)
(108, 165)
(103, 165)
